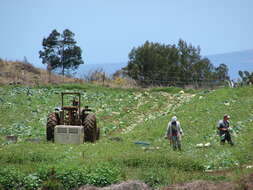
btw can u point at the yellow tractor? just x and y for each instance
(72, 124)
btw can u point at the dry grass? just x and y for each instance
(17, 72)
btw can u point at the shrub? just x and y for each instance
(10, 178)
(52, 184)
(154, 177)
(31, 182)
(74, 177)
(104, 175)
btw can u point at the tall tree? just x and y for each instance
(246, 77)
(222, 72)
(188, 56)
(180, 65)
(61, 52)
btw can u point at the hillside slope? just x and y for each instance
(133, 124)
(16, 72)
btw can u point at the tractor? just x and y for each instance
(70, 119)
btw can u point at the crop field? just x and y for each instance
(132, 144)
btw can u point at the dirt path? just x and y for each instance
(171, 103)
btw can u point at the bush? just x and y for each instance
(31, 182)
(10, 178)
(154, 177)
(99, 175)
(72, 177)
(104, 175)
(61, 178)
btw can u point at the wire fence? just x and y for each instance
(163, 78)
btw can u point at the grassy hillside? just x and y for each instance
(126, 116)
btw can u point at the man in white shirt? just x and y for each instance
(174, 132)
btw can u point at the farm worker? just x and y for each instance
(223, 127)
(174, 132)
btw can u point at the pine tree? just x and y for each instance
(61, 52)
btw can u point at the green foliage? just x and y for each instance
(52, 184)
(162, 160)
(68, 177)
(31, 182)
(104, 174)
(17, 129)
(222, 72)
(61, 51)
(174, 65)
(172, 90)
(10, 178)
(155, 176)
(100, 174)
(246, 77)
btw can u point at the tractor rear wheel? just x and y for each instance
(52, 121)
(90, 128)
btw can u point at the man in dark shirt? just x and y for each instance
(223, 127)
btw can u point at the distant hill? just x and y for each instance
(108, 68)
(241, 60)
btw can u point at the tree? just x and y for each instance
(152, 63)
(246, 77)
(161, 64)
(121, 73)
(222, 72)
(61, 52)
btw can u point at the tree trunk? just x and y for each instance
(49, 70)
(62, 60)
(63, 70)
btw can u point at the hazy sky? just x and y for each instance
(107, 30)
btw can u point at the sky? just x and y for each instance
(107, 30)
